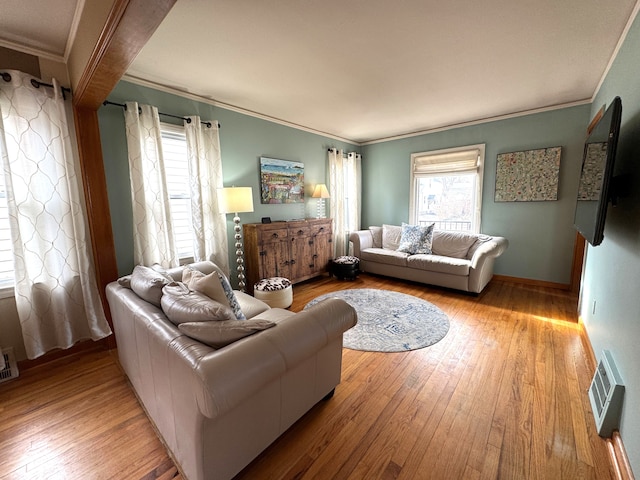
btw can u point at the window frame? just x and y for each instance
(7, 286)
(169, 129)
(478, 169)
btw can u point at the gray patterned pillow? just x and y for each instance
(416, 239)
(231, 297)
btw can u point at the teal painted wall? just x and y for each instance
(541, 234)
(243, 140)
(612, 271)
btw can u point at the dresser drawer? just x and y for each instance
(321, 229)
(299, 232)
(272, 235)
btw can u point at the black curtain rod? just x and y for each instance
(36, 83)
(188, 120)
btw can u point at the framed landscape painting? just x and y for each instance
(281, 181)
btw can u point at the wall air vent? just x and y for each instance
(605, 395)
(10, 369)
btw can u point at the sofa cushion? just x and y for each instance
(148, 283)
(182, 305)
(391, 235)
(383, 255)
(453, 244)
(439, 264)
(376, 233)
(220, 334)
(416, 238)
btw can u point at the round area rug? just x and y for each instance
(390, 321)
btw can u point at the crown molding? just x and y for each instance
(479, 121)
(181, 93)
(37, 52)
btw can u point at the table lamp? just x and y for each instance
(320, 192)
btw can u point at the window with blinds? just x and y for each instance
(446, 188)
(6, 257)
(174, 149)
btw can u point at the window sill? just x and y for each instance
(7, 292)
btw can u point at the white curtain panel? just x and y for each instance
(153, 240)
(205, 177)
(344, 202)
(55, 285)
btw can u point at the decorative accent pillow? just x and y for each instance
(377, 236)
(148, 284)
(208, 284)
(391, 237)
(181, 305)
(220, 334)
(231, 298)
(416, 239)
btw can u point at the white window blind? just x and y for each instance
(460, 161)
(6, 257)
(174, 148)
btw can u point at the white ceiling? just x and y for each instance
(365, 69)
(39, 26)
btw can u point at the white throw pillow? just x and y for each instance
(376, 232)
(208, 284)
(391, 235)
(215, 286)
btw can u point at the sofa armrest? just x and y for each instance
(230, 375)
(490, 249)
(482, 262)
(362, 239)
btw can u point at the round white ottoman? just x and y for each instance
(275, 292)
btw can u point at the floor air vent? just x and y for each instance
(606, 394)
(10, 369)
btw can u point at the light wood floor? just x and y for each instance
(503, 395)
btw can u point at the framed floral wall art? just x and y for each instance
(528, 176)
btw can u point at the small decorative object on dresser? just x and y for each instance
(297, 250)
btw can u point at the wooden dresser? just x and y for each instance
(297, 250)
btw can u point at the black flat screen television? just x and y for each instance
(594, 190)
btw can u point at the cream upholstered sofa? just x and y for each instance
(459, 260)
(216, 409)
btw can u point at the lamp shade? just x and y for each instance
(235, 199)
(320, 191)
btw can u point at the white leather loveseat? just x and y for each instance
(459, 260)
(216, 409)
